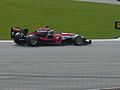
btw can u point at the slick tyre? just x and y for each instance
(78, 40)
(17, 39)
(33, 41)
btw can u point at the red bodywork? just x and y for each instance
(57, 37)
(43, 37)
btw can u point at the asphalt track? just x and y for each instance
(60, 67)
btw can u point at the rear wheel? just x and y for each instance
(33, 41)
(17, 39)
(78, 40)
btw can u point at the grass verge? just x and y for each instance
(91, 20)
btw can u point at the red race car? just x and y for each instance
(43, 37)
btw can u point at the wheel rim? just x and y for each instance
(78, 41)
(33, 41)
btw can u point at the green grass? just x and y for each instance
(91, 20)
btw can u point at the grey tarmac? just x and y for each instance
(60, 67)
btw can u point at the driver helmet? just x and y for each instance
(46, 26)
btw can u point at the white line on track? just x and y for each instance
(102, 1)
(96, 40)
(6, 41)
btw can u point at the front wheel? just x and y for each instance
(32, 41)
(78, 40)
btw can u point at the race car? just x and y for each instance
(42, 37)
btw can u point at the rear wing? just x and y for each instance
(15, 30)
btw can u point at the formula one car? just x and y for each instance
(42, 37)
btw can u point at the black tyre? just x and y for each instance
(33, 41)
(17, 39)
(78, 40)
